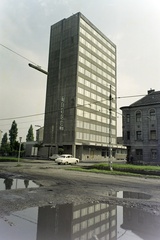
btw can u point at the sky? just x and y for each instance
(133, 25)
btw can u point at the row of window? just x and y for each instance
(95, 68)
(152, 135)
(94, 138)
(91, 209)
(138, 116)
(98, 230)
(99, 52)
(95, 117)
(95, 106)
(139, 154)
(97, 99)
(96, 34)
(94, 127)
(91, 54)
(88, 54)
(93, 96)
(91, 74)
(91, 137)
(95, 86)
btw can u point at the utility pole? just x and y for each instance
(20, 139)
(110, 132)
(52, 129)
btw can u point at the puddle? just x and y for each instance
(95, 221)
(9, 183)
(134, 195)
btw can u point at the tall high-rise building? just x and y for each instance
(80, 112)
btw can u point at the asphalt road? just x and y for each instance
(59, 185)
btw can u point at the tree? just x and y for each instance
(4, 140)
(30, 135)
(5, 148)
(13, 132)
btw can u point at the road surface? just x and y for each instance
(59, 185)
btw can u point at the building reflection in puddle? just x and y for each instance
(10, 183)
(85, 221)
(95, 221)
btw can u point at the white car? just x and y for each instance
(54, 157)
(67, 159)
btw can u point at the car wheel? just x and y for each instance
(59, 163)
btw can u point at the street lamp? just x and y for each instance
(20, 139)
(38, 68)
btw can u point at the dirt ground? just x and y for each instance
(59, 185)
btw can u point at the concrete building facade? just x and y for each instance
(39, 134)
(80, 111)
(141, 129)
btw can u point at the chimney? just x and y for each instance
(150, 91)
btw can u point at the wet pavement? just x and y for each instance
(80, 222)
(132, 195)
(95, 221)
(10, 183)
(73, 205)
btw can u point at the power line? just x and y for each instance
(17, 53)
(78, 106)
(46, 72)
(132, 96)
(33, 115)
(38, 120)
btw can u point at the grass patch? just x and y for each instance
(147, 170)
(122, 169)
(8, 159)
(105, 166)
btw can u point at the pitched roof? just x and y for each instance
(150, 99)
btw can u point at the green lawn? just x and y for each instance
(122, 169)
(8, 159)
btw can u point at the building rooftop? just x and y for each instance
(152, 98)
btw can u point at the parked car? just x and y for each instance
(54, 157)
(67, 159)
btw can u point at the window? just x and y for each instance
(138, 116)
(152, 114)
(128, 135)
(128, 118)
(138, 135)
(79, 112)
(153, 153)
(153, 134)
(139, 154)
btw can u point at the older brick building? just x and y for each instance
(141, 129)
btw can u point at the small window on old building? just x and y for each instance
(128, 118)
(138, 135)
(128, 135)
(138, 116)
(139, 154)
(153, 134)
(152, 115)
(153, 153)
